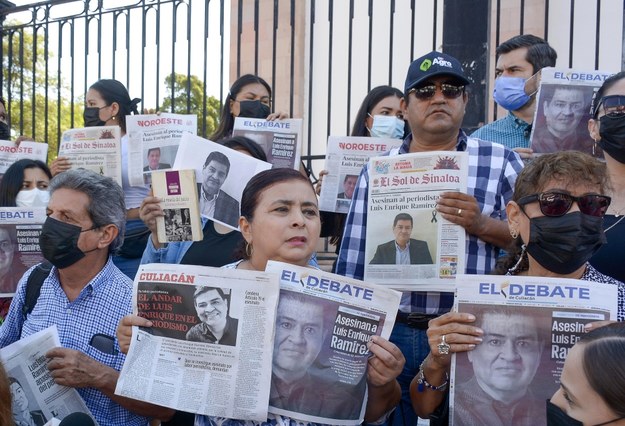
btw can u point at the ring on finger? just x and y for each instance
(460, 212)
(443, 346)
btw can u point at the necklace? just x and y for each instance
(615, 223)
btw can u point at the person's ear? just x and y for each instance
(246, 229)
(114, 109)
(593, 129)
(403, 105)
(513, 211)
(109, 233)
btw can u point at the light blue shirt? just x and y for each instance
(510, 131)
(402, 257)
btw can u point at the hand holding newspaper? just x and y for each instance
(529, 324)
(32, 386)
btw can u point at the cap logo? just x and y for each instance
(425, 65)
(443, 63)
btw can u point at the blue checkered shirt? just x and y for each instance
(97, 309)
(493, 169)
(510, 131)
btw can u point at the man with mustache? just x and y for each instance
(215, 203)
(504, 365)
(434, 104)
(216, 326)
(295, 386)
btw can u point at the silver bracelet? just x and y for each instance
(423, 383)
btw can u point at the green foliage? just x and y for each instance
(195, 96)
(24, 84)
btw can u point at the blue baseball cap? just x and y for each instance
(433, 64)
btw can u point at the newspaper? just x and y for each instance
(173, 363)
(320, 353)
(153, 143)
(403, 191)
(345, 157)
(530, 324)
(280, 139)
(178, 193)
(221, 173)
(19, 244)
(27, 368)
(94, 148)
(563, 110)
(10, 153)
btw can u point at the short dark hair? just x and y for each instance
(539, 53)
(11, 182)
(205, 289)
(154, 149)
(368, 103)
(402, 216)
(218, 157)
(349, 176)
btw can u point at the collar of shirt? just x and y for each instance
(461, 144)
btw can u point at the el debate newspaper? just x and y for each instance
(530, 324)
(94, 148)
(345, 157)
(178, 363)
(403, 191)
(155, 136)
(27, 367)
(280, 139)
(324, 379)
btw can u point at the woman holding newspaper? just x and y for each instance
(556, 216)
(280, 221)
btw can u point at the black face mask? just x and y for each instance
(557, 417)
(563, 244)
(253, 109)
(91, 116)
(5, 132)
(612, 132)
(59, 242)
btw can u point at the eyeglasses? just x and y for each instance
(613, 105)
(450, 91)
(555, 204)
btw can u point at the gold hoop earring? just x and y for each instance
(249, 250)
(514, 233)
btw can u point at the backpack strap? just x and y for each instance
(33, 287)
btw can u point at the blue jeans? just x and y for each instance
(413, 343)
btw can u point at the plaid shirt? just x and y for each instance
(510, 131)
(492, 172)
(97, 309)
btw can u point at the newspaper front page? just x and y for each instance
(563, 110)
(94, 148)
(182, 362)
(320, 353)
(345, 157)
(10, 153)
(27, 367)
(19, 244)
(403, 191)
(530, 324)
(153, 143)
(280, 139)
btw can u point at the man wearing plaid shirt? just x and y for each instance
(434, 105)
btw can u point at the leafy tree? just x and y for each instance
(24, 59)
(195, 96)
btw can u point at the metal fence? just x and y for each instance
(320, 56)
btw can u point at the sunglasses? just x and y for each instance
(450, 91)
(613, 105)
(555, 204)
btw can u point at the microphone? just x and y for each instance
(77, 419)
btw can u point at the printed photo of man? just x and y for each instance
(349, 184)
(295, 382)
(215, 203)
(562, 125)
(216, 326)
(154, 161)
(403, 250)
(504, 365)
(22, 414)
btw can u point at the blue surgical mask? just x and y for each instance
(387, 126)
(509, 93)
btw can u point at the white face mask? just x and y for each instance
(32, 198)
(387, 126)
